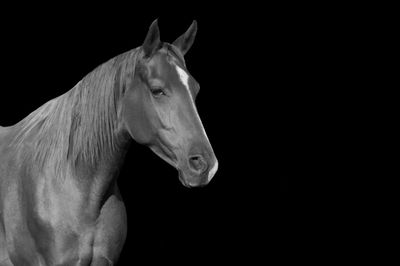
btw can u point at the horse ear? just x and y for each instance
(152, 41)
(185, 41)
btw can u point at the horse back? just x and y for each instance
(8, 162)
(2, 132)
(5, 139)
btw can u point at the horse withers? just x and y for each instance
(59, 199)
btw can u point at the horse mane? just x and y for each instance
(78, 125)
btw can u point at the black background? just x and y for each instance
(261, 103)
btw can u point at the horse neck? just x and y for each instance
(80, 133)
(103, 157)
(101, 175)
(103, 168)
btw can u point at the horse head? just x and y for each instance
(158, 108)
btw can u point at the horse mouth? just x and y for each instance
(191, 181)
(184, 180)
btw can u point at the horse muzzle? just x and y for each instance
(198, 170)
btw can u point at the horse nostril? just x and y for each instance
(197, 163)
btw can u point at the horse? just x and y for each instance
(59, 199)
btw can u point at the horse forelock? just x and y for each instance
(78, 125)
(172, 53)
(175, 53)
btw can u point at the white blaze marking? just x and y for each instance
(213, 171)
(185, 80)
(183, 76)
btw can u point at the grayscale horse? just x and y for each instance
(59, 199)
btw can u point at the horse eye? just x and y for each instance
(157, 92)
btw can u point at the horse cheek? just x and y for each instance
(138, 117)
